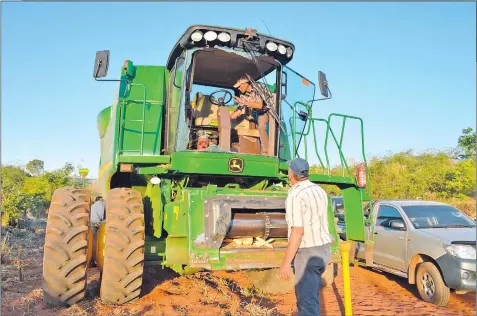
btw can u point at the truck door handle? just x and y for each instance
(401, 238)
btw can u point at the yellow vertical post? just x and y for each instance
(344, 249)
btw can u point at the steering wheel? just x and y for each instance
(220, 102)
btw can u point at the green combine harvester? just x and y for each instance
(185, 185)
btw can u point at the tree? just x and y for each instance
(14, 201)
(24, 193)
(467, 143)
(433, 175)
(35, 167)
(41, 188)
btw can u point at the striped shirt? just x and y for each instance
(307, 206)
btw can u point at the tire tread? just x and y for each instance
(65, 248)
(124, 247)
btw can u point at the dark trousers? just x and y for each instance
(309, 264)
(262, 130)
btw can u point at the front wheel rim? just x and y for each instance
(428, 285)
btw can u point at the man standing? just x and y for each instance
(308, 237)
(97, 213)
(251, 99)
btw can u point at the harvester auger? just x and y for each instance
(186, 186)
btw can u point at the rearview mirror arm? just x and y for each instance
(113, 80)
(322, 99)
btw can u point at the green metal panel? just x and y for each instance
(156, 159)
(354, 215)
(196, 211)
(217, 163)
(104, 117)
(153, 207)
(176, 252)
(143, 99)
(175, 219)
(107, 164)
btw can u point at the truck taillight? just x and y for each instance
(361, 175)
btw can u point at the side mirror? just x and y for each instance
(101, 64)
(323, 84)
(398, 225)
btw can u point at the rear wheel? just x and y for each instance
(124, 247)
(430, 284)
(66, 247)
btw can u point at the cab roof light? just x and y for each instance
(196, 36)
(210, 36)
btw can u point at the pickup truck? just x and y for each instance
(431, 244)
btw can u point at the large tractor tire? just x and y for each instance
(124, 247)
(66, 247)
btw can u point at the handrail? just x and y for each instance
(330, 133)
(316, 144)
(362, 130)
(342, 158)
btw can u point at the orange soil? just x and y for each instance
(222, 293)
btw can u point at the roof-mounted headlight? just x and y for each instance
(224, 37)
(196, 36)
(271, 46)
(210, 36)
(289, 52)
(281, 49)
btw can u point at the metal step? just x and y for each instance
(390, 270)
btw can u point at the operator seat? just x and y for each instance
(205, 112)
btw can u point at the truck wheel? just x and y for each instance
(124, 247)
(66, 247)
(430, 284)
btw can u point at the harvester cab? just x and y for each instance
(193, 166)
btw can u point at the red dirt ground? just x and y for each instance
(223, 293)
(219, 293)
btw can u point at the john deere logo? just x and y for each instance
(236, 165)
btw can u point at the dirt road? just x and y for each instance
(217, 293)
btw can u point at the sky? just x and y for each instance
(407, 69)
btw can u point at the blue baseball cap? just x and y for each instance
(299, 166)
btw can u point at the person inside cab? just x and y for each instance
(250, 100)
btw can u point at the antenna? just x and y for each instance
(266, 27)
